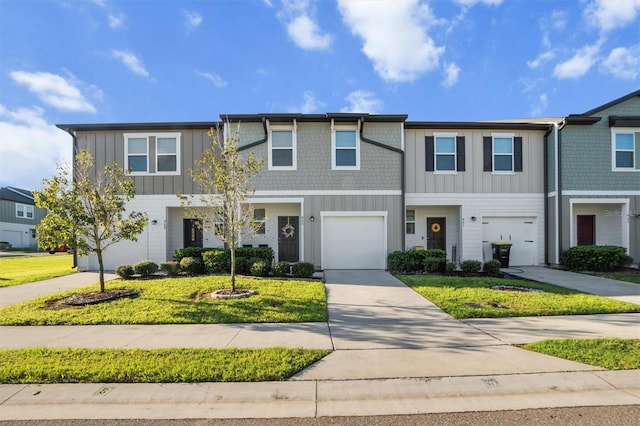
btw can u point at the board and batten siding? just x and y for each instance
(108, 147)
(474, 179)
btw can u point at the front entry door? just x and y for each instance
(192, 233)
(586, 229)
(437, 233)
(288, 240)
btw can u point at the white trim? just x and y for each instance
(402, 138)
(354, 213)
(437, 135)
(601, 193)
(26, 208)
(328, 192)
(552, 194)
(432, 198)
(624, 217)
(254, 200)
(147, 136)
(493, 153)
(636, 156)
(345, 127)
(294, 143)
(8, 188)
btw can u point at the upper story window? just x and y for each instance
(411, 222)
(24, 211)
(152, 154)
(502, 153)
(282, 148)
(445, 153)
(624, 151)
(345, 148)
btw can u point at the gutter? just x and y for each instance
(73, 168)
(402, 175)
(259, 141)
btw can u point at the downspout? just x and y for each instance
(259, 141)
(73, 168)
(546, 194)
(558, 152)
(402, 177)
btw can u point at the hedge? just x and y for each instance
(594, 258)
(219, 260)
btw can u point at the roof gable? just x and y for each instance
(17, 195)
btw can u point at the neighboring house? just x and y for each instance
(330, 192)
(19, 217)
(594, 188)
(469, 184)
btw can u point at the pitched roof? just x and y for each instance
(612, 103)
(18, 195)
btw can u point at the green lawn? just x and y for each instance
(631, 277)
(153, 366)
(472, 297)
(612, 354)
(183, 301)
(25, 269)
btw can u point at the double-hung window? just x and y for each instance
(502, 153)
(411, 222)
(259, 220)
(282, 148)
(445, 153)
(624, 151)
(152, 154)
(24, 211)
(345, 149)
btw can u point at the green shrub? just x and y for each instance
(593, 258)
(145, 267)
(281, 269)
(171, 268)
(191, 265)
(263, 253)
(470, 266)
(259, 267)
(434, 264)
(302, 270)
(438, 253)
(191, 252)
(125, 271)
(451, 267)
(243, 265)
(406, 261)
(217, 261)
(491, 267)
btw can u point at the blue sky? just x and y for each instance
(103, 61)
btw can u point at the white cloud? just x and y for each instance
(451, 73)
(310, 103)
(540, 106)
(116, 21)
(303, 30)
(53, 90)
(33, 145)
(192, 19)
(608, 15)
(362, 101)
(130, 61)
(623, 62)
(214, 78)
(470, 3)
(394, 36)
(579, 64)
(559, 19)
(307, 35)
(542, 58)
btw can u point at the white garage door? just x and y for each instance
(520, 231)
(354, 242)
(13, 237)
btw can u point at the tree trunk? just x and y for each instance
(101, 268)
(233, 267)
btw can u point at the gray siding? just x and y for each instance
(586, 154)
(8, 214)
(551, 158)
(474, 179)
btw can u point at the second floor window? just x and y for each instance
(445, 153)
(502, 153)
(167, 155)
(282, 148)
(24, 211)
(345, 148)
(152, 154)
(624, 145)
(137, 155)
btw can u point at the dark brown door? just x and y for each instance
(586, 229)
(192, 233)
(437, 233)
(288, 240)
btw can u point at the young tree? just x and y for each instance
(85, 209)
(223, 175)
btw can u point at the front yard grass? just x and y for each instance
(25, 269)
(182, 301)
(612, 354)
(472, 297)
(631, 277)
(153, 366)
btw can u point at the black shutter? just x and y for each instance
(517, 154)
(429, 142)
(460, 161)
(487, 153)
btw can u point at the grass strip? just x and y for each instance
(183, 301)
(472, 297)
(612, 354)
(630, 277)
(26, 269)
(41, 365)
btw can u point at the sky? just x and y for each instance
(110, 61)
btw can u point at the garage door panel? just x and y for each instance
(353, 242)
(520, 231)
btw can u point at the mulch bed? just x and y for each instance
(92, 298)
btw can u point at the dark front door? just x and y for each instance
(586, 229)
(192, 233)
(437, 233)
(288, 240)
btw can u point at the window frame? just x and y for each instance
(152, 153)
(25, 208)
(614, 150)
(345, 128)
(408, 222)
(260, 229)
(495, 136)
(454, 154)
(294, 145)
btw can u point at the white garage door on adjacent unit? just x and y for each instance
(354, 240)
(520, 231)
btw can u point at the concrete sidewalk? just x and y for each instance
(395, 353)
(620, 290)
